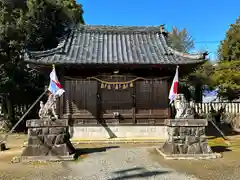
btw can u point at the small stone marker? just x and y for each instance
(48, 140)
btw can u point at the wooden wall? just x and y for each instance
(87, 103)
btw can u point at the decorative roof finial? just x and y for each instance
(205, 54)
(162, 30)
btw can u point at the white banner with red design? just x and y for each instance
(54, 86)
(174, 87)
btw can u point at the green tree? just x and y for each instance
(200, 79)
(74, 10)
(50, 20)
(227, 78)
(229, 49)
(12, 38)
(227, 71)
(33, 23)
(180, 40)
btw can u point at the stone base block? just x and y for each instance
(199, 146)
(48, 140)
(188, 156)
(186, 140)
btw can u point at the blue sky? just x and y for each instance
(205, 20)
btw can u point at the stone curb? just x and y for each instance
(27, 159)
(46, 158)
(189, 156)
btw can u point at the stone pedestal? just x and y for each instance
(187, 140)
(48, 140)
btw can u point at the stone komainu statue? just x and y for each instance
(183, 109)
(48, 110)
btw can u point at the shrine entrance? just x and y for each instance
(117, 98)
(127, 99)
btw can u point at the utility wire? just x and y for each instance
(207, 42)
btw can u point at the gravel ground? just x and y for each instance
(114, 164)
(123, 163)
(225, 168)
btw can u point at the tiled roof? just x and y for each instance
(113, 45)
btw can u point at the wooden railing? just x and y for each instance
(232, 107)
(206, 107)
(19, 109)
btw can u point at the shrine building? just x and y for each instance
(116, 79)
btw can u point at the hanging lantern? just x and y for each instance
(124, 86)
(102, 85)
(109, 86)
(116, 86)
(131, 84)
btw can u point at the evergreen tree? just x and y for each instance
(227, 71)
(50, 20)
(38, 24)
(229, 49)
(180, 40)
(198, 80)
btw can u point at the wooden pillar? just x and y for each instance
(134, 104)
(98, 103)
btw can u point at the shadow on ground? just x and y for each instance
(220, 149)
(84, 151)
(138, 172)
(225, 128)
